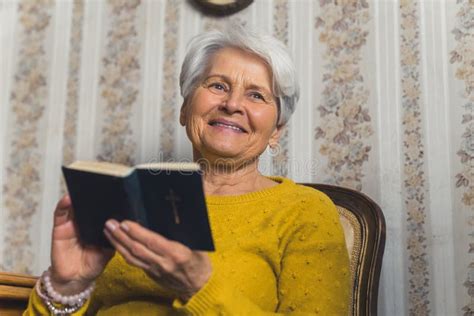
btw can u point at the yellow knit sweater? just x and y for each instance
(279, 250)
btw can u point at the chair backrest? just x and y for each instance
(364, 229)
(14, 292)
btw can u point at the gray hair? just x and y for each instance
(203, 46)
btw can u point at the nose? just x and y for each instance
(233, 102)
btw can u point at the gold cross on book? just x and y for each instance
(173, 198)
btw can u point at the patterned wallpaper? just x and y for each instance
(414, 189)
(170, 104)
(119, 82)
(462, 56)
(280, 31)
(361, 64)
(28, 99)
(70, 120)
(345, 119)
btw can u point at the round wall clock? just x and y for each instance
(221, 7)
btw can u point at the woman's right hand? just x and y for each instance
(73, 266)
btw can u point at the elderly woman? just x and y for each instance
(279, 245)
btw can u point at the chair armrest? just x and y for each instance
(15, 291)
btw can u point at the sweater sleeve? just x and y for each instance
(314, 276)
(36, 306)
(315, 273)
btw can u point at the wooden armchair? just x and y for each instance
(364, 230)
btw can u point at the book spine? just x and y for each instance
(134, 194)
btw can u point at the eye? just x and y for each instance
(257, 96)
(218, 86)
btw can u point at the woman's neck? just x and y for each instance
(233, 179)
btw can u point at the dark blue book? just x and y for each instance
(167, 198)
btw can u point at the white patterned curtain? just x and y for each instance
(387, 107)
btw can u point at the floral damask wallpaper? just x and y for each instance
(120, 82)
(28, 101)
(70, 122)
(463, 57)
(367, 58)
(414, 175)
(346, 122)
(170, 106)
(280, 31)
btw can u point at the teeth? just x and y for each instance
(227, 126)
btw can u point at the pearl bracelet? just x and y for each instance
(73, 302)
(62, 311)
(56, 311)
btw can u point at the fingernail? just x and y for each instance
(124, 226)
(110, 225)
(62, 211)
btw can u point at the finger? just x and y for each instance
(171, 254)
(131, 259)
(134, 247)
(152, 240)
(155, 272)
(63, 210)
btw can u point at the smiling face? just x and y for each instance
(232, 114)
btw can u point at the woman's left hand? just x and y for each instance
(171, 264)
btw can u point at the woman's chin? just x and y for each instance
(222, 154)
(222, 147)
(224, 151)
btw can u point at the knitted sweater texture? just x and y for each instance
(278, 251)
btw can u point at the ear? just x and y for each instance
(182, 114)
(276, 134)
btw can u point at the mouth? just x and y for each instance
(227, 124)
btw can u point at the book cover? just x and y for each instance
(166, 198)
